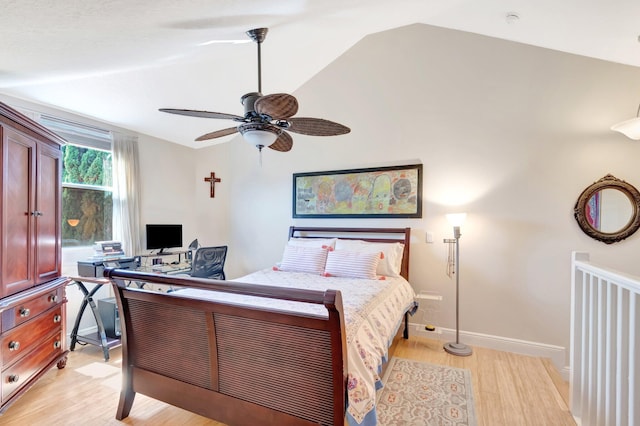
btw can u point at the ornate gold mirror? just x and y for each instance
(609, 210)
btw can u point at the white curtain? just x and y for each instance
(126, 192)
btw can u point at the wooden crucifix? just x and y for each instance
(212, 179)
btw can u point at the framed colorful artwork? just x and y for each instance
(379, 192)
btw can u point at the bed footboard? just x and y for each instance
(235, 364)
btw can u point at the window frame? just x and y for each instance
(87, 187)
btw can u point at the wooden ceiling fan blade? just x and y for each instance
(283, 143)
(316, 127)
(217, 134)
(277, 105)
(202, 114)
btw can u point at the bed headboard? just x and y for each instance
(376, 235)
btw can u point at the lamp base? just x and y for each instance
(459, 349)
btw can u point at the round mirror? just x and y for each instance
(609, 210)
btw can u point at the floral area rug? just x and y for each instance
(417, 393)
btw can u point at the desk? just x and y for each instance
(169, 269)
(98, 338)
(178, 253)
(164, 269)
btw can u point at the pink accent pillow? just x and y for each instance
(352, 264)
(304, 259)
(391, 262)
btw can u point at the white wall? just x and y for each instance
(167, 173)
(509, 133)
(212, 215)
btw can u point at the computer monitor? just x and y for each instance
(160, 236)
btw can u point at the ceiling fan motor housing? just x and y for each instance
(248, 101)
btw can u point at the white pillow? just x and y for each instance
(304, 259)
(391, 261)
(312, 242)
(352, 264)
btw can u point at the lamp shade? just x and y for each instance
(629, 128)
(260, 135)
(260, 138)
(456, 219)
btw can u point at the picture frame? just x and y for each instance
(377, 192)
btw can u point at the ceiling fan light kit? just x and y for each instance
(267, 118)
(260, 135)
(629, 128)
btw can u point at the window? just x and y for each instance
(87, 205)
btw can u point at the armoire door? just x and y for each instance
(18, 217)
(48, 213)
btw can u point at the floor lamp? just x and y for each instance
(457, 348)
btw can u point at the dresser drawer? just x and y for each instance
(31, 308)
(15, 376)
(26, 336)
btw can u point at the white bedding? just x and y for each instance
(373, 312)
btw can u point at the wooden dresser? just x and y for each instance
(32, 292)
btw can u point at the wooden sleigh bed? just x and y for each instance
(239, 363)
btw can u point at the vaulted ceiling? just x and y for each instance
(119, 60)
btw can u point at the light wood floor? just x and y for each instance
(508, 390)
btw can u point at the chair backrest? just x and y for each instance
(208, 262)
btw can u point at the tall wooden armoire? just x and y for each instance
(32, 292)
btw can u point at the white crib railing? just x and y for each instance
(605, 345)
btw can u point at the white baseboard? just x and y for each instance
(555, 353)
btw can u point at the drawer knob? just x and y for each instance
(24, 312)
(13, 378)
(57, 318)
(53, 298)
(57, 344)
(14, 345)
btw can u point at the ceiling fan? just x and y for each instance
(267, 119)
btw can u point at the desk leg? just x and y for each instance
(83, 306)
(103, 334)
(88, 300)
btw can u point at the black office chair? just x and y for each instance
(208, 262)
